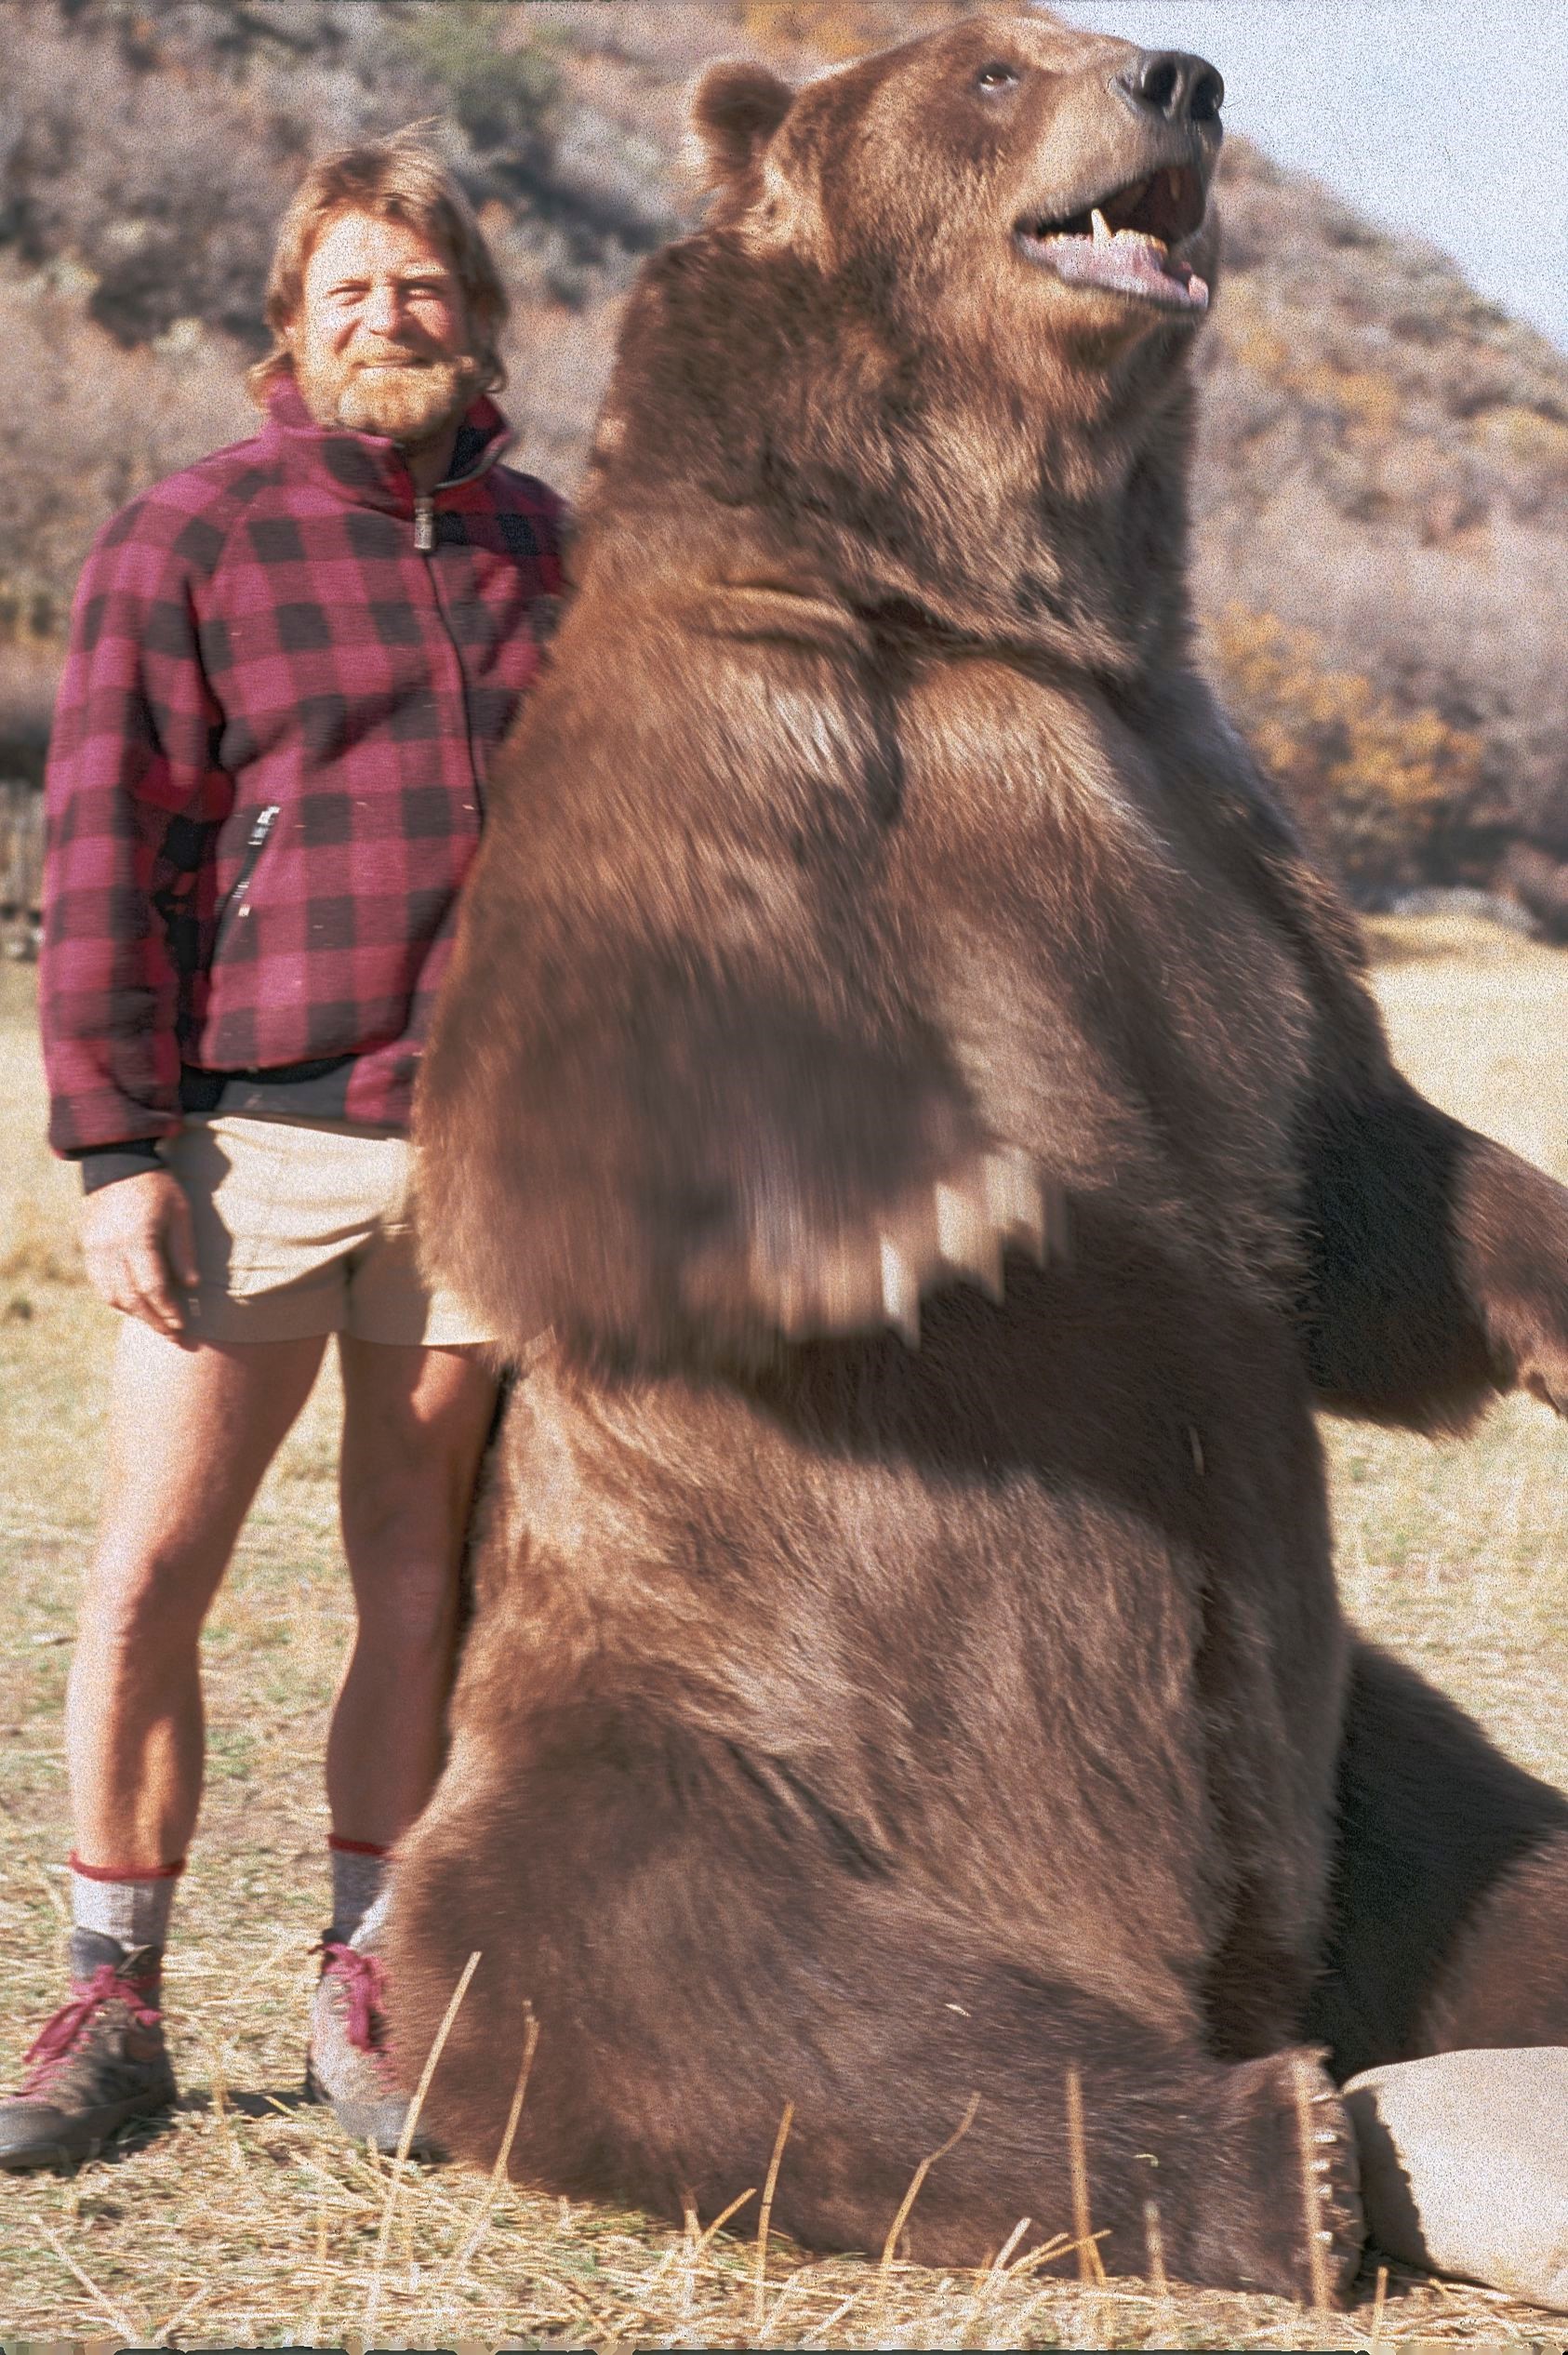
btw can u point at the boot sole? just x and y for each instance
(76, 2143)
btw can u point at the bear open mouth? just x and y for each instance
(1124, 240)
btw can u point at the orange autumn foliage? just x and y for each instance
(1374, 783)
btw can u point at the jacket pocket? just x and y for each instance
(236, 905)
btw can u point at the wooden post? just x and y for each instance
(22, 866)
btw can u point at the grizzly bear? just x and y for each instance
(920, 1123)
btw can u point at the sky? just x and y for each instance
(1447, 118)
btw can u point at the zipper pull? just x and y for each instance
(424, 524)
(263, 826)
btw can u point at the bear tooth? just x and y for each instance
(1097, 222)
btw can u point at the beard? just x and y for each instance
(407, 398)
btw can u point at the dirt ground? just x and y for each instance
(246, 2219)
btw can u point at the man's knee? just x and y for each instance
(412, 1517)
(409, 1619)
(142, 1606)
(413, 1507)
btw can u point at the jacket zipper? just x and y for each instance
(424, 542)
(424, 501)
(424, 545)
(237, 905)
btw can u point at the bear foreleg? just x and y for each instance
(1439, 1266)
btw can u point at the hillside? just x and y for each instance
(1382, 534)
(1382, 494)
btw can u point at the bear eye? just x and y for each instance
(996, 76)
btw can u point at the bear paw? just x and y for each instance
(956, 1228)
(1288, 2220)
(701, 1184)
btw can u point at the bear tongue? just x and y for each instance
(1129, 263)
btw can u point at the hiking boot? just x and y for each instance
(350, 2062)
(99, 2062)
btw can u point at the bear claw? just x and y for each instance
(1335, 2197)
(958, 1227)
(1304, 2234)
(900, 1293)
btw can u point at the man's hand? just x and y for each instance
(141, 1249)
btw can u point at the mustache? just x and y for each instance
(456, 369)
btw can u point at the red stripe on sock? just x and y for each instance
(127, 1872)
(356, 1847)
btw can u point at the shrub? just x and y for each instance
(169, 206)
(503, 97)
(1376, 785)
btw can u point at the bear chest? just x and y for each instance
(1117, 995)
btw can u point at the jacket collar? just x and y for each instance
(366, 468)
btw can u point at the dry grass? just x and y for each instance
(248, 2219)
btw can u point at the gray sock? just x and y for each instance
(368, 1938)
(134, 1912)
(356, 1884)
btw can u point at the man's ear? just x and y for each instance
(736, 111)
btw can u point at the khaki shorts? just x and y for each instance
(305, 1226)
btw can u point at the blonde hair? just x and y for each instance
(396, 179)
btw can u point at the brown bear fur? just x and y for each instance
(870, 1727)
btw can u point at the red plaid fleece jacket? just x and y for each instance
(265, 778)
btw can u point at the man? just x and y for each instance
(287, 665)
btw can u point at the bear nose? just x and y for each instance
(1173, 83)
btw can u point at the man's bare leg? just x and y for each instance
(414, 1428)
(191, 1430)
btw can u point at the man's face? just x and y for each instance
(380, 342)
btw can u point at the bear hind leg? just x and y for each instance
(1450, 1924)
(697, 1958)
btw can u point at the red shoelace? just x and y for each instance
(364, 1985)
(58, 2037)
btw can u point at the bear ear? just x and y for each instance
(736, 111)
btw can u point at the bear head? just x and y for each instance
(1011, 179)
(934, 326)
